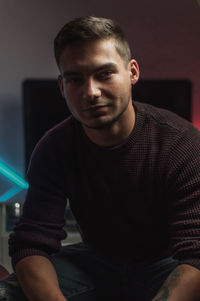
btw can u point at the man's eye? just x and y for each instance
(105, 75)
(73, 80)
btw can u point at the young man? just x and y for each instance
(132, 176)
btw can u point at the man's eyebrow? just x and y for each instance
(96, 69)
(105, 66)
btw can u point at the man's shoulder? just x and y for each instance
(63, 131)
(65, 127)
(61, 136)
(162, 119)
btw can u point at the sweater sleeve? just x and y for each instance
(40, 229)
(185, 198)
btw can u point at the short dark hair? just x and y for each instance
(91, 29)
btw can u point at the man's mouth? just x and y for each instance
(94, 107)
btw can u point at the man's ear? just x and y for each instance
(60, 83)
(134, 71)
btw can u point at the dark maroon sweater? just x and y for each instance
(139, 201)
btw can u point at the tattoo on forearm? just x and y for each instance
(172, 280)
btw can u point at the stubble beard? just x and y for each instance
(108, 123)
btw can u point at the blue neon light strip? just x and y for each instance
(9, 194)
(11, 175)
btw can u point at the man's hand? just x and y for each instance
(183, 284)
(38, 279)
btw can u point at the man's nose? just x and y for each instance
(91, 89)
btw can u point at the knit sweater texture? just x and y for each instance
(139, 201)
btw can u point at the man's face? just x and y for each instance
(96, 83)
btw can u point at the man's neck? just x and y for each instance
(115, 134)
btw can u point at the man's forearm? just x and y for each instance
(183, 284)
(38, 279)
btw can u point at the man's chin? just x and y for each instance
(99, 124)
(102, 121)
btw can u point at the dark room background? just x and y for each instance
(164, 35)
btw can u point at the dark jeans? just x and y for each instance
(85, 275)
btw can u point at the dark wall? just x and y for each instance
(164, 36)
